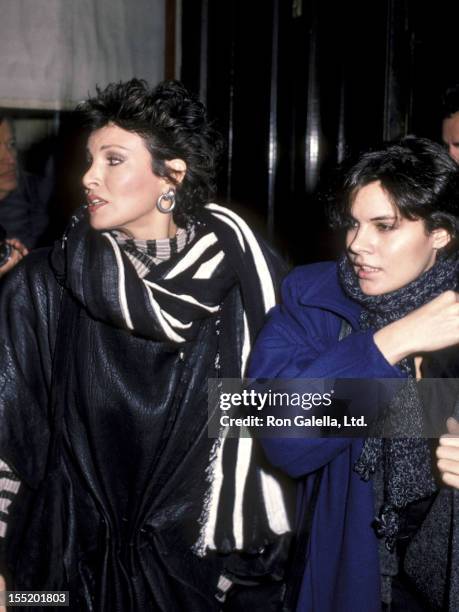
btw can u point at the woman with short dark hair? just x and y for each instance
(107, 345)
(388, 309)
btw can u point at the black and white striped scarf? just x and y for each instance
(245, 506)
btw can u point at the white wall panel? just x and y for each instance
(53, 52)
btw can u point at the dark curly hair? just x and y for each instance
(173, 125)
(418, 175)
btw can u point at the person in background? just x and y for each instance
(23, 197)
(450, 124)
(448, 451)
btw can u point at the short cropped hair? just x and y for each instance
(173, 124)
(450, 102)
(419, 177)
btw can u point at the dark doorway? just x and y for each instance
(296, 86)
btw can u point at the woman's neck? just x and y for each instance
(157, 231)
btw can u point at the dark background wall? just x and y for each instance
(296, 86)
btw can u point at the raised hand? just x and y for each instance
(432, 327)
(448, 454)
(18, 252)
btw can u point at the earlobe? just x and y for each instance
(178, 168)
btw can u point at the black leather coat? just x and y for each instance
(111, 445)
(114, 499)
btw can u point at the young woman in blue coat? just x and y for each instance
(396, 289)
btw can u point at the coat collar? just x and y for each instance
(323, 290)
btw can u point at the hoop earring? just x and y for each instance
(170, 195)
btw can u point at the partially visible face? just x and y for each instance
(450, 135)
(8, 178)
(122, 188)
(387, 250)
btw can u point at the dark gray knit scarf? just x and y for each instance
(405, 461)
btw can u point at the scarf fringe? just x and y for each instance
(271, 492)
(207, 520)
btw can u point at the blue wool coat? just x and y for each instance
(300, 340)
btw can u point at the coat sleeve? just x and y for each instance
(28, 312)
(303, 342)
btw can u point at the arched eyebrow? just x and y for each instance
(379, 218)
(109, 146)
(384, 218)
